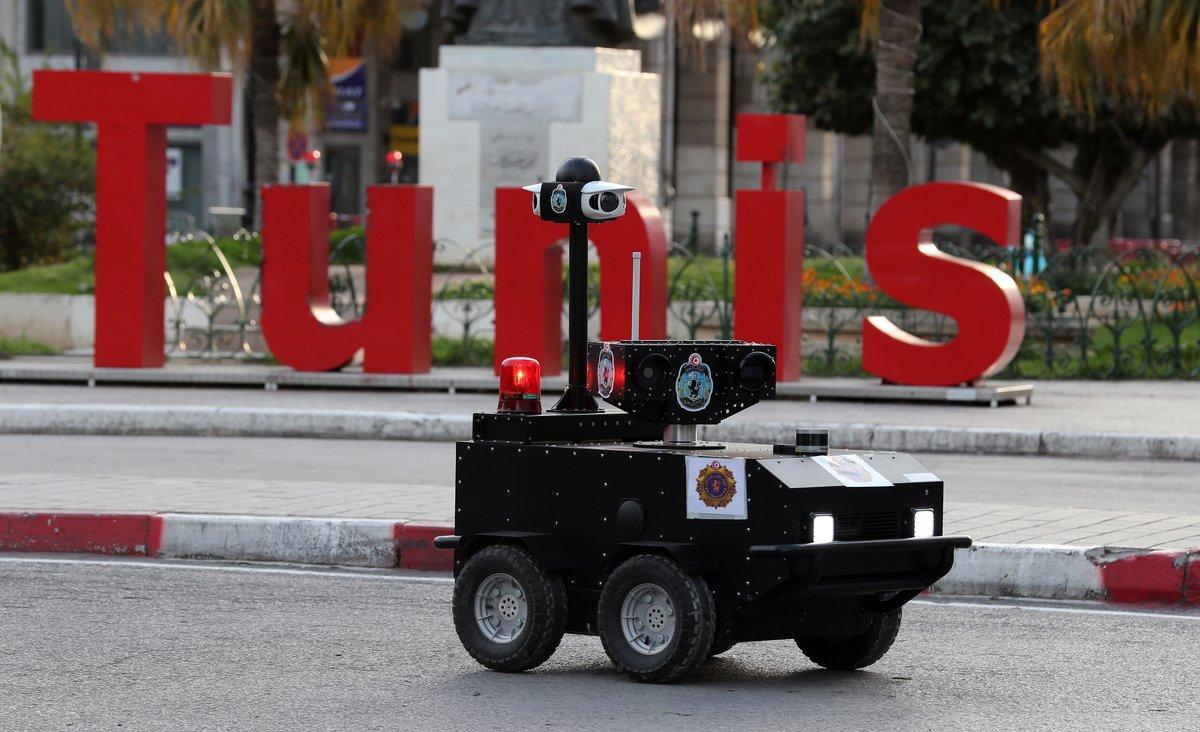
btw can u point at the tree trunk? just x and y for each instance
(1111, 173)
(1033, 183)
(895, 59)
(262, 149)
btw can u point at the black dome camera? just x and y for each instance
(577, 195)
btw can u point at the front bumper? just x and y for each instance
(865, 567)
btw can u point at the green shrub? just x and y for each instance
(10, 347)
(47, 175)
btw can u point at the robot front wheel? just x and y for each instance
(655, 620)
(855, 651)
(509, 613)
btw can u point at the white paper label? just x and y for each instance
(715, 487)
(851, 471)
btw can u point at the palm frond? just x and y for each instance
(1143, 54)
(98, 22)
(304, 83)
(207, 28)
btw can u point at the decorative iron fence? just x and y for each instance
(1090, 314)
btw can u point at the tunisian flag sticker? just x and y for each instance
(715, 487)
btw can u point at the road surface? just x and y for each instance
(1112, 485)
(94, 643)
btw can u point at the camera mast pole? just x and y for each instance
(576, 398)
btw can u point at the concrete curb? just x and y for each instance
(1120, 576)
(110, 419)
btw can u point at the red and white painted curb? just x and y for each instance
(1124, 576)
(347, 542)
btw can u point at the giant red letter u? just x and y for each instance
(298, 323)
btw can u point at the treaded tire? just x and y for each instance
(546, 599)
(695, 619)
(856, 651)
(721, 646)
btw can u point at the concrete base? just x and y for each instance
(452, 380)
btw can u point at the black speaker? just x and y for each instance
(756, 371)
(652, 372)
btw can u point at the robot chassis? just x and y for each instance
(622, 524)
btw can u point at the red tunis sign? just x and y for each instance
(132, 112)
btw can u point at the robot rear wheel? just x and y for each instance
(855, 651)
(509, 613)
(656, 621)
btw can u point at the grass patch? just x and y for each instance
(459, 352)
(73, 277)
(10, 347)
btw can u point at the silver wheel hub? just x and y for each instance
(648, 619)
(501, 608)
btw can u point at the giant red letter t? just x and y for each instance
(131, 111)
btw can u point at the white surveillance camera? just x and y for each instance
(565, 202)
(602, 201)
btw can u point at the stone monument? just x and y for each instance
(529, 83)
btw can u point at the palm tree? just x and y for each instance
(1123, 64)
(895, 28)
(282, 47)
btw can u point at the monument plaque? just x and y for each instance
(501, 116)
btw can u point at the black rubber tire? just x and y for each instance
(856, 651)
(720, 646)
(547, 603)
(695, 619)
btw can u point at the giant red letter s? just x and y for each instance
(907, 265)
(131, 112)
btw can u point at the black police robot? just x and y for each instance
(620, 523)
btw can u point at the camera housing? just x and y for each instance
(564, 202)
(681, 382)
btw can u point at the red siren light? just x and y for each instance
(520, 385)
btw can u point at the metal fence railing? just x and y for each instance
(1089, 314)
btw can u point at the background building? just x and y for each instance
(701, 100)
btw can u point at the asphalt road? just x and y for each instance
(1116, 485)
(141, 645)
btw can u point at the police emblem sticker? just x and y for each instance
(852, 471)
(694, 385)
(558, 199)
(715, 487)
(606, 372)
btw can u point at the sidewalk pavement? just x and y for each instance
(434, 504)
(1138, 420)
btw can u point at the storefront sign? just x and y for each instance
(348, 109)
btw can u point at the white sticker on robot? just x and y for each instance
(715, 487)
(852, 471)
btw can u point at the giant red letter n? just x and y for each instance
(529, 277)
(131, 112)
(906, 264)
